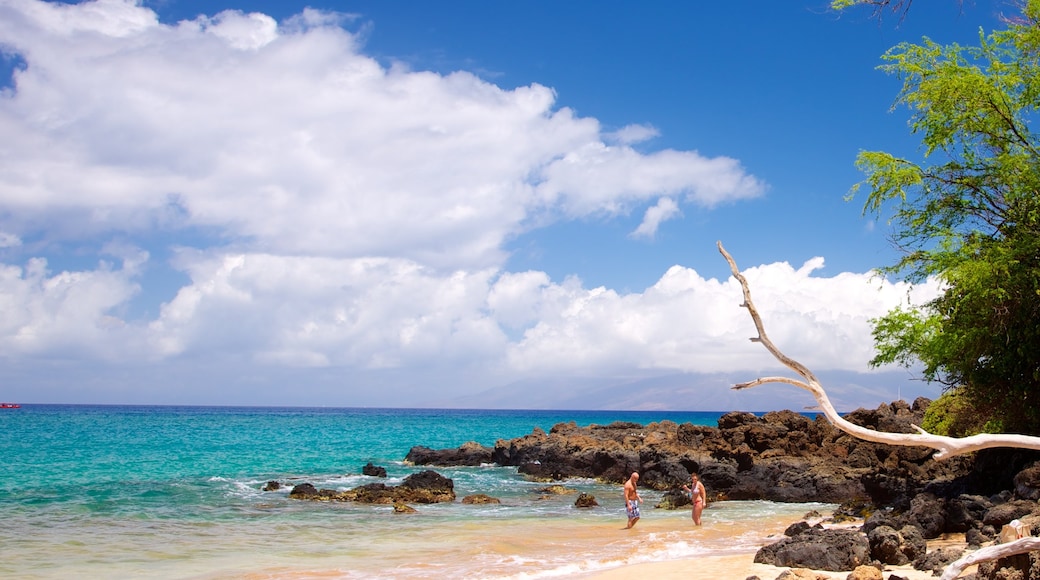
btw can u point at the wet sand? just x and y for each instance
(741, 566)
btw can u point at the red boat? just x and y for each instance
(10, 406)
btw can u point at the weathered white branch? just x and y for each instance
(989, 554)
(944, 446)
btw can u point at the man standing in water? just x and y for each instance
(632, 500)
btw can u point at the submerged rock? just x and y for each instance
(480, 498)
(585, 501)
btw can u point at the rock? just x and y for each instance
(479, 499)
(1002, 514)
(865, 573)
(885, 544)
(468, 454)
(585, 501)
(674, 499)
(373, 470)
(890, 546)
(557, 490)
(400, 508)
(1027, 483)
(914, 544)
(426, 487)
(928, 512)
(937, 560)
(818, 549)
(797, 528)
(376, 493)
(271, 486)
(781, 456)
(975, 538)
(303, 491)
(422, 487)
(966, 512)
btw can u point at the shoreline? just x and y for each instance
(741, 566)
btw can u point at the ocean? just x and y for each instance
(176, 492)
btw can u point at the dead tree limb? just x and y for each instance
(945, 446)
(989, 554)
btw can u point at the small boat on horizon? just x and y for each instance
(10, 406)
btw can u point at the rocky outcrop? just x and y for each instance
(937, 560)
(818, 549)
(896, 547)
(473, 454)
(480, 499)
(780, 456)
(424, 487)
(373, 470)
(903, 494)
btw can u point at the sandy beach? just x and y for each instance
(741, 566)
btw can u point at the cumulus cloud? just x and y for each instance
(664, 210)
(631, 134)
(691, 324)
(292, 141)
(361, 212)
(384, 313)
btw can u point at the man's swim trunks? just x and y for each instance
(633, 509)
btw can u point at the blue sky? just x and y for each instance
(445, 204)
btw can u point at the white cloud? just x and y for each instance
(362, 212)
(664, 210)
(65, 313)
(691, 324)
(291, 141)
(631, 134)
(244, 31)
(382, 313)
(9, 240)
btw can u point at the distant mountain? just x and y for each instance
(691, 392)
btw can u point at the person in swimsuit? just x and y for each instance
(632, 500)
(698, 495)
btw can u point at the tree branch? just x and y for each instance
(989, 554)
(945, 446)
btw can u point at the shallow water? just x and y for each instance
(165, 492)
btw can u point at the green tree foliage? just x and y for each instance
(969, 216)
(878, 6)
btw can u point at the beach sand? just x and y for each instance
(741, 566)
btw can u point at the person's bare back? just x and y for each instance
(632, 500)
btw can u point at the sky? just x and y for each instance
(447, 204)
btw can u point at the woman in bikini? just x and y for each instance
(699, 497)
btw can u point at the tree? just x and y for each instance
(969, 215)
(878, 6)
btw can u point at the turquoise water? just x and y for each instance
(175, 492)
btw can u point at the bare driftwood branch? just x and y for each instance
(945, 446)
(989, 554)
